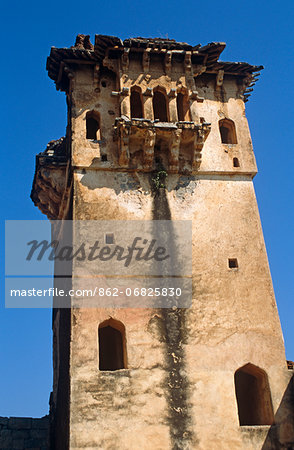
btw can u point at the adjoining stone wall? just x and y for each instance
(24, 433)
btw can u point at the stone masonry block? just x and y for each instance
(33, 443)
(43, 423)
(18, 444)
(6, 439)
(39, 434)
(19, 423)
(21, 434)
(4, 421)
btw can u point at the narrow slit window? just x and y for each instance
(111, 334)
(227, 131)
(136, 104)
(253, 396)
(160, 106)
(183, 108)
(236, 162)
(93, 126)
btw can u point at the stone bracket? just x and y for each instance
(168, 62)
(198, 70)
(148, 92)
(96, 74)
(172, 93)
(123, 144)
(69, 72)
(123, 93)
(195, 96)
(188, 62)
(220, 78)
(111, 64)
(146, 60)
(148, 149)
(125, 60)
(199, 140)
(174, 150)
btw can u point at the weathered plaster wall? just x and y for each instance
(233, 321)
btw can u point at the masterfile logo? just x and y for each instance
(96, 261)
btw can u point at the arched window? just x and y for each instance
(112, 347)
(227, 131)
(160, 106)
(236, 162)
(253, 396)
(93, 126)
(183, 108)
(136, 103)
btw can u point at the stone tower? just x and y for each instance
(212, 376)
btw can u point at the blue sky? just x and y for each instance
(33, 113)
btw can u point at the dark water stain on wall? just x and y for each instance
(174, 329)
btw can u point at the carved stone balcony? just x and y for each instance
(176, 145)
(49, 191)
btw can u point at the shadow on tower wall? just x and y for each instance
(281, 433)
(174, 326)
